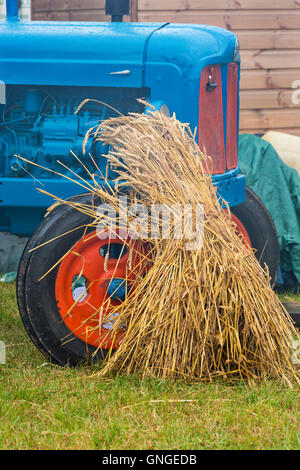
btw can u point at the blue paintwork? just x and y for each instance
(12, 10)
(21, 213)
(72, 54)
(50, 67)
(117, 289)
(231, 189)
(176, 55)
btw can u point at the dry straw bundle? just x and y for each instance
(197, 313)
(200, 313)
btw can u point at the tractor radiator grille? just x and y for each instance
(218, 112)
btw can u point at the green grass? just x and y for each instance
(43, 406)
(289, 297)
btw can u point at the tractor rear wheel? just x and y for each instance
(254, 222)
(68, 278)
(67, 287)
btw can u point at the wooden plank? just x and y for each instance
(89, 15)
(281, 59)
(269, 118)
(287, 39)
(152, 5)
(75, 15)
(286, 130)
(248, 60)
(269, 39)
(252, 40)
(233, 20)
(257, 79)
(285, 99)
(33, 7)
(282, 78)
(50, 16)
(63, 5)
(267, 99)
(253, 79)
(217, 4)
(134, 10)
(71, 15)
(271, 59)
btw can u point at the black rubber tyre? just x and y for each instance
(261, 230)
(36, 299)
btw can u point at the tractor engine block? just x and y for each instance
(40, 125)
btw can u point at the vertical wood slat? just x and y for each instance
(134, 10)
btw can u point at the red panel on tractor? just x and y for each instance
(210, 129)
(231, 127)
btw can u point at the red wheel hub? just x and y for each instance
(100, 265)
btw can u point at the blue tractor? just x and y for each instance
(46, 70)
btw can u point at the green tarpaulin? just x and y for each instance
(278, 186)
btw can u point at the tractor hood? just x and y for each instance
(105, 54)
(176, 56)
(190, 47)
(74, 54)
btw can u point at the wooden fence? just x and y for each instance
(269, 34)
